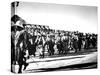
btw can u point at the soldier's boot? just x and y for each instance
(20, 69)
(25, 65)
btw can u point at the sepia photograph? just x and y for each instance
(47, 37)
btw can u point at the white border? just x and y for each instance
(5, 36)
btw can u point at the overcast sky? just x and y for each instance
(59, 16)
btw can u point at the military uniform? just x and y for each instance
(23, 38)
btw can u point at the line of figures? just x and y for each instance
(31, 41)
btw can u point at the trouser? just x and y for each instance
(60, 50)
(21, 63)
(32, 50)
(79, 47)
(51, 51)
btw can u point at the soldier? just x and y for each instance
(23, 38)
(79, 41)
(40, 46)
(93, 40)
(59, 46)
(75, 44)
(65, 44)
(51, 49)
(32, 45)
(12, 49)
(87, 41)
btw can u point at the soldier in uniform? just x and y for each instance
(51, 49)
(75, 44)
(59, 46)
(23, 38)
(65, 45)
(32, 44)
(79, 41)
(12, 49)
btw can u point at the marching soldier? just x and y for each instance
(51, 49)
(32, 44)
(79, 41)
(59, 46)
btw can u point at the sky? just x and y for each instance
(60, 16)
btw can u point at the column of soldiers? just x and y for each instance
(34, 40)
(65, 41)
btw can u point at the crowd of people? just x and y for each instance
(54, 41)
(31, 40)
(41, 41)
